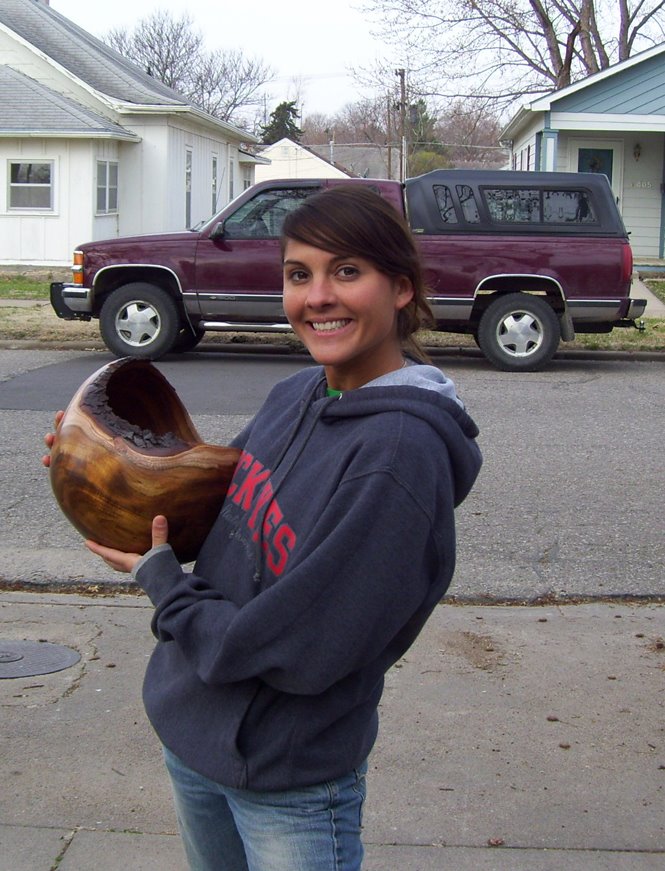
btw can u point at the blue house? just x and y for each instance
(611, 122)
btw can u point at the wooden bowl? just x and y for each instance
(126, 450)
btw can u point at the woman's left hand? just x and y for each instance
(125, 562)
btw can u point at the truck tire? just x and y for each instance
(519, 332)
(139, 320)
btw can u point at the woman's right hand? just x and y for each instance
(49, 438)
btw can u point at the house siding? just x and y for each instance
(48, 236)
(639, 90)
(203, 147)
(525, 149)
(290, 160)
(642, 196)
(638, 188)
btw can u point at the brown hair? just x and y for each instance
(355, 220)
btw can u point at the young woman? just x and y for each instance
(335, 542)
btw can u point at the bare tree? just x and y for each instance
(463, 134)
(222, 82)
(469, 131)
(509, 48)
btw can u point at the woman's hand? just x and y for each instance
(125, 562)
(49, 438)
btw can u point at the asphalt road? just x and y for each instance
(568, 504)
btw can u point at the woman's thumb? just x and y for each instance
(160, 530)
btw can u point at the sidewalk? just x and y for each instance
(512, 739)
(655, 308)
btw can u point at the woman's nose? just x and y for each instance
(320, 292)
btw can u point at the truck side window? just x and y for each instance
(513, 205)
(468, 203)
(262, 217)
(563, 207)
(444, 201)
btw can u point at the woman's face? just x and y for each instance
(345, 312)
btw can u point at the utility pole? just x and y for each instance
(389, 130)
(402, 122)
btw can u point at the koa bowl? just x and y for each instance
(126, 450)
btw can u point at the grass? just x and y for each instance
(18, 285)
(39, 323)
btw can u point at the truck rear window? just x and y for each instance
(537, 206)
(446, 205)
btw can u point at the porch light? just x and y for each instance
(637, 151)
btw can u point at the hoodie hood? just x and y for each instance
(424, 392)
(418, 375)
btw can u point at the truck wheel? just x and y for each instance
(139, 320)
(519, 333)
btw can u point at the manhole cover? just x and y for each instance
(25, 658)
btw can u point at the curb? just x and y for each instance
(282, 351)
(100, 588)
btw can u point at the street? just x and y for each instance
(529, 737)
(568, 503)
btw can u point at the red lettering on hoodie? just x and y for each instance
(283, 541)
(245, 495)
(264, 497)
(252, 494)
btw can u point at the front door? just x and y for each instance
(599, 156)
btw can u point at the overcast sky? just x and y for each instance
(299, 39)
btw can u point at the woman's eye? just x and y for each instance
(297, 275)
(348, 271)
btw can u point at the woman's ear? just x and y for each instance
(405, 291)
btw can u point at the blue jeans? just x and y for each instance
(315, 828)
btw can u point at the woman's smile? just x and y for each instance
(328, 326)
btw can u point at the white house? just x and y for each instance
(289, 159)
(611, 122)
(93, 147)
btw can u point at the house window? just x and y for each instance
(232, 172)
(107, 186)
(246, 178)
(595, 160)
(188, 188)
(214, 185)
(31, 185)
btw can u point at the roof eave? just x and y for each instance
(124, 108)
(513, 126)
(548, 101)
(68, 134)
(245, 157)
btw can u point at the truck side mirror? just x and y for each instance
(217, 231)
